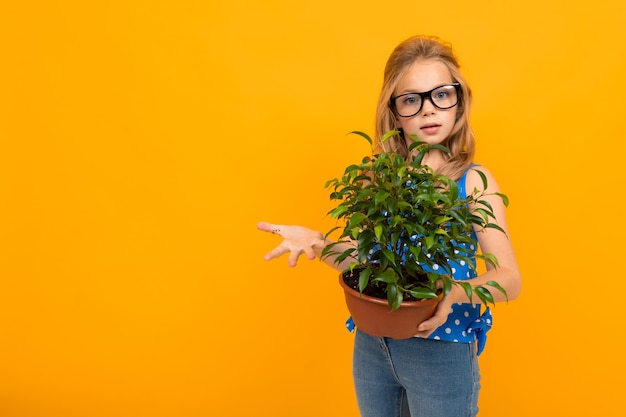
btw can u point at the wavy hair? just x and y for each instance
(461, 141)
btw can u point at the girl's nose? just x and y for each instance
(427, 107)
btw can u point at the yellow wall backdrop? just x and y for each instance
(141, 141)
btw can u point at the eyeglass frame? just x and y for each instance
(423, 96)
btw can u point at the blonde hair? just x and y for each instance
(461, 140)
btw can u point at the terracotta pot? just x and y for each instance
(372, 315)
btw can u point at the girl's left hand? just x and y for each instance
(439, 317)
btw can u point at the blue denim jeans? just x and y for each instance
(415, 377)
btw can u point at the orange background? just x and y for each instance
(141, 141)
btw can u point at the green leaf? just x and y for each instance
(488, 258)
(348, 253)
(338, 211)
(331, 231)
(453, 190)
(363, 252)
(388, 276)
(356, 219)
(392, 292)
(447, 285)
(467, 288)
(365, 135)
(390, 256)
(441, 232)
(380, 197)
(394, 296)
(416, 251)
(440, 147)
(458, 217)
(389, 135)
(330, 182)
(422, 293)
(498, 287)
(378, 231)
(442, 219)
(351, 168)
(395, 220)
(364, 279)
(495, 226)
(486, 204)
(484, 295)
(505, 199)
(399, 299)
(483, 177)
(484, 214)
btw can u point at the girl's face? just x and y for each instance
(432, 125)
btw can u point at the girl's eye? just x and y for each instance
(412, 99)
(441, 94)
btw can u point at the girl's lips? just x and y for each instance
(430, 129)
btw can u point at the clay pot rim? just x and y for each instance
(384, 301)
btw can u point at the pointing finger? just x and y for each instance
(269, 227)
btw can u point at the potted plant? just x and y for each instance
(405, 225)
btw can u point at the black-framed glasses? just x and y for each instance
(443, 97)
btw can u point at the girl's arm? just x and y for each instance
(491, 241)
(495, 242)
(298, 240)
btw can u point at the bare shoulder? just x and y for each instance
(478, 176)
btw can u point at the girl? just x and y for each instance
(434, 374)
